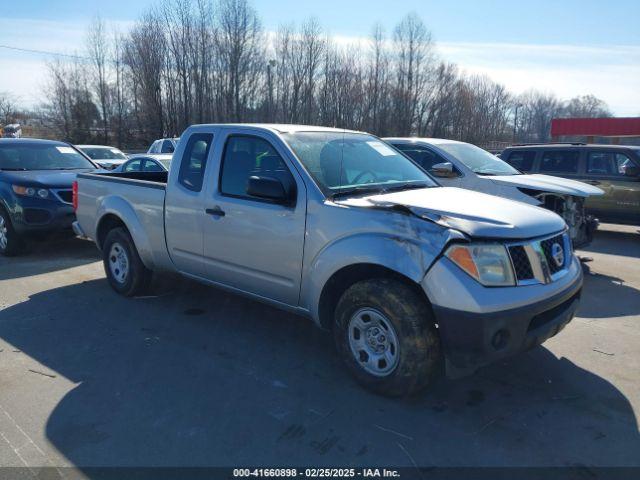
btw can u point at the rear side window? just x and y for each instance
(194, 161)
(607, 163)
(133, 166)
(246, 156)
(559, 161)
(522, 160)
(152, 166)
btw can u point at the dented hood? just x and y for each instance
(547, 183)
(475, 214)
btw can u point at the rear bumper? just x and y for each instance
(483, 334)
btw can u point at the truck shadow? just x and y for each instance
(198, 377)
(615, 242)
(605, 296)
(49, 255)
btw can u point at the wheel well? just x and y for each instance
(347, 276)
(107, 223)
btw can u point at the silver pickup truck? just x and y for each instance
(342, 228)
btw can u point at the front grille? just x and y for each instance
(521, 263)
(535, 261)
(65, 195)
(547, 246)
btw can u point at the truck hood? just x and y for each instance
(42, 178)
(547, 183)
(476, 214)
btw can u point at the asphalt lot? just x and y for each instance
(193, 376)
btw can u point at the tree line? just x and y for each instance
(210, 61)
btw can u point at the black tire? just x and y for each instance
(15, 243)
(137, 278)
(419, 358)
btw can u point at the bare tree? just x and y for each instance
(586, 106)
(98, 50)
(537, 111)
(194, 61)
(8, 108)
(240, 47)
(413, 64)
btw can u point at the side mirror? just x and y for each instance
(443, 170)
(632, 171)
(268, 188)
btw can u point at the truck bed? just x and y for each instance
(137, 198)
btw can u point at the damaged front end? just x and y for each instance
(572, 210)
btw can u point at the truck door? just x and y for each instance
(184, 204)
(606, 170)
(250, 243)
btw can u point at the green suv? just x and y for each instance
(613, 168)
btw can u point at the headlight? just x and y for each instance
(30, 191)
(489, 264)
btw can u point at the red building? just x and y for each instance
(589, 128)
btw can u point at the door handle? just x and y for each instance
(216, 212)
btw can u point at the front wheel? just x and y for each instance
(11, 243)
(125, 271)
(385, 333)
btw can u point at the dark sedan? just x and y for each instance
(36, 178)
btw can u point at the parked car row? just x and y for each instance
(403, 248)
(36, 178)
(463, 165)
(615, 169)
(105, 156)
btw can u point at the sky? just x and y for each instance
(568, 47)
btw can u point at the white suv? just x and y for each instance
(164, 145)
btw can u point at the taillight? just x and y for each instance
(75, 195)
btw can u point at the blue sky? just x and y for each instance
(569, 47)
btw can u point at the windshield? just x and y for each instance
(9, 130)
(345, 163)
(46, 156)
(97, 153)
(478, 160)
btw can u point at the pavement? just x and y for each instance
(193, 376)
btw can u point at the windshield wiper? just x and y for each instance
(406, 186)
(363, 189)
(359, 190)
(70, 168)
(13, 169)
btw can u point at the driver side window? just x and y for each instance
(423, 156)
(246, 156)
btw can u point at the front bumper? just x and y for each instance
(30, 215)
(479, 325)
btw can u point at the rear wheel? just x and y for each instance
(385, 334)
(122, 264)
(11, 243)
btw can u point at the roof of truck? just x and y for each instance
(432, 141)
(281, 127)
